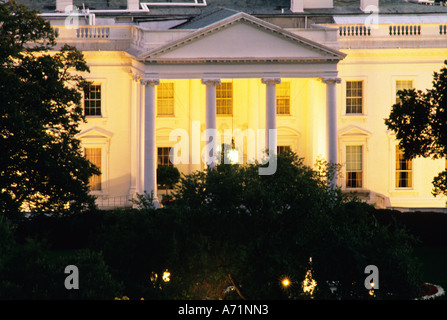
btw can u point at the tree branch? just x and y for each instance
(236, 288)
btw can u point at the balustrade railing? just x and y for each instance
(405, 30)
(354, 30)
(93, 33)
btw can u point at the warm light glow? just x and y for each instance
(233, 156)
(154, 277)
(285, 282)
(166, 276)
(309, 284)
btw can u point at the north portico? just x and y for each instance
(237, 47)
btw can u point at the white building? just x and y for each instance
(323, 73)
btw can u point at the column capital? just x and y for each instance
(271, 80)
(134, 76)
(150, 81)
(213, 81)
(331, 80)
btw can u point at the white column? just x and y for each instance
(210, 121)
(270, 113)
(134, 134)
(150, 147)
(331, 116)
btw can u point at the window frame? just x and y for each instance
(169, 99)
(88, 99)
(354, 136)
(102, 82)
(286, 97)
(169, 163)
(362, 171)
(100, 166)
(394, 79)
(103, 144)
(219, 90)
(396, 170)
(363, 100)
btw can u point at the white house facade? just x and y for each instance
(321, 76)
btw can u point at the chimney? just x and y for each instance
(369, 5)
(296, 6)
(133, 4)
(64, 6)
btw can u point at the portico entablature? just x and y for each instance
(240, 46)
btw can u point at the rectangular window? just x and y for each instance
(165, 99)
(402, 85)
(94, 156)
(281, 149)
(354, 97)
(404, 170)
(224, 98)
(283, 98)
(92, 100)
(163, 157)
(354, 166)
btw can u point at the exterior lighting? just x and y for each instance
(309, 284)
(154, 277)
(285, 282)
(371, 292)
(166, 276)
(233, 156)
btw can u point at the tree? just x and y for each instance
(42, 166)
(167, 176)
(419, 120)
(238, 233)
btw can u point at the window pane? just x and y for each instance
(283, 98)
(165, 99)
(92, 100)
(94, 156)
(163, 156)
(404, 170)
(354, 158)
(354, 166)
(354, 97)
(224, 98)
(402, 85)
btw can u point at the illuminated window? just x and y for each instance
(281, 149)
(283, 98)
(163, 157)
(94, 156)
(165, 99)
(402, 85)
(354, 97)
(224, 98)
(354, 166)
(404, 170)
(92, 100)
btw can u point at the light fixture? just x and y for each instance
(166, 276)
(285, 282)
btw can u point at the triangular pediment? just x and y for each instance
(354, 131)
(243, 38)
(94, 133)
